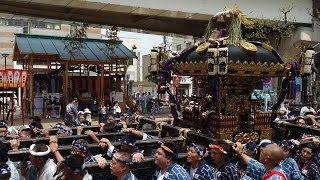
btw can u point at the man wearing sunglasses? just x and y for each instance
(165, 159)
(197, 167)
(120, 166)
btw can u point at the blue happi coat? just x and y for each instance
(203, 172)
(174, 172)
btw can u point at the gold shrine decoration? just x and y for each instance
(245, 137)
(248, 48)
(261, 67)
(13, 78)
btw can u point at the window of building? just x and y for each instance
(46, 25)
(178, 47)
(16, 22)
(3, 22)
(130, 62)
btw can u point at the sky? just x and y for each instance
(146, 41)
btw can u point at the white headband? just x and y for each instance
(38, 153)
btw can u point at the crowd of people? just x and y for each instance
(296, 158)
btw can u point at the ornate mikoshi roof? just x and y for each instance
(265, 61)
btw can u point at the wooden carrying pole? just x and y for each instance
(3, 109)
(12, 107)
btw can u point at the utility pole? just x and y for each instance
(165, 44)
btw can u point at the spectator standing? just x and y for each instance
(87, 114)
(103, 111)
(116, 109)
(142, 101)
(12, 103)
(285, 109)
(71, 110)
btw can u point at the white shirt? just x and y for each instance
(88, 117)
(14, 172)
(87, 176)
(48, 170)
(192, 172)
(161, 176)
(117, 109)
(103, 110)
(305, 109)
(12, 103)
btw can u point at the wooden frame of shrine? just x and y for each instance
(100, 67)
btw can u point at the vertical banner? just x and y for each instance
(10, 83)
(23, 78)
(2, 74)
(16, 78)
(13, 78)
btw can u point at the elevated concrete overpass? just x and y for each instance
(186, 17)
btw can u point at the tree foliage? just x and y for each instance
(151, 77)
(78, 32)
(264, 30)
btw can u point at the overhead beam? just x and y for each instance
(104, 17)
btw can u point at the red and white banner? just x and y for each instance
(13, 78)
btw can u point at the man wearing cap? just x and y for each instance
(198, 168)
(220, 153)
(270, 157)
(41, 168)
(120, 166)
(74, 169)
(165, 159)
(87, 114)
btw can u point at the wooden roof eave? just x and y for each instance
(20, 57)
(93, 62)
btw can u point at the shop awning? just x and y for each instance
(92, 50)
